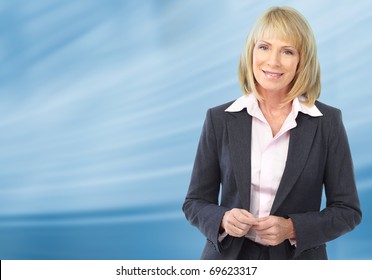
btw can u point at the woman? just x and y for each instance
(263, 160)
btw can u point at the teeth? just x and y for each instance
(273, 74)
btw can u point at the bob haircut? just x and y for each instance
(285, 24)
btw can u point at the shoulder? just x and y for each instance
(330, 114)
(220, 109)
(331, 121)
(217, 116)
(218, 113)
(326, 109)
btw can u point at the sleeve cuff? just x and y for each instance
(222, 236)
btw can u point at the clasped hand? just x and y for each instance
(272, 230)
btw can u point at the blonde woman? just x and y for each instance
(264, 160)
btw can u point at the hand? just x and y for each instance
(237, 222)
(274, 230)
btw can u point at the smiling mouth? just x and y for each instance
(272, 74)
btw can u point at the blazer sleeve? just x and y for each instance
(201, 206)
(342, 212)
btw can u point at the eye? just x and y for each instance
(288, 52)
(263, 47)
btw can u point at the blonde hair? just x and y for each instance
(289, 25)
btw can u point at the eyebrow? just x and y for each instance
(271, 44)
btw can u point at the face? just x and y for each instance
(274, 66)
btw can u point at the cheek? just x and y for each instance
(296, 64)
(292, 67)
(257, 59)
(257, 62)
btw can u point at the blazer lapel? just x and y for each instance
(301, 139)
(239, 129)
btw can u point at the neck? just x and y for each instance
(275, 112)
(274, 99)
(273, 103)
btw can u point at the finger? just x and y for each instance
(233, 220)
(265, 233)
(236, 224)
(232, 225)
(262, 226)
(243, 216)
(235, 231)
(263, 219)
(265, 223)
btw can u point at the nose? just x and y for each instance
(274, 59)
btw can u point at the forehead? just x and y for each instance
(270, 32)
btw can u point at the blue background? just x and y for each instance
(101, 108)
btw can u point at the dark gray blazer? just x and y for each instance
(318, 155)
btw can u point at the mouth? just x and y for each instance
(272, 74)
